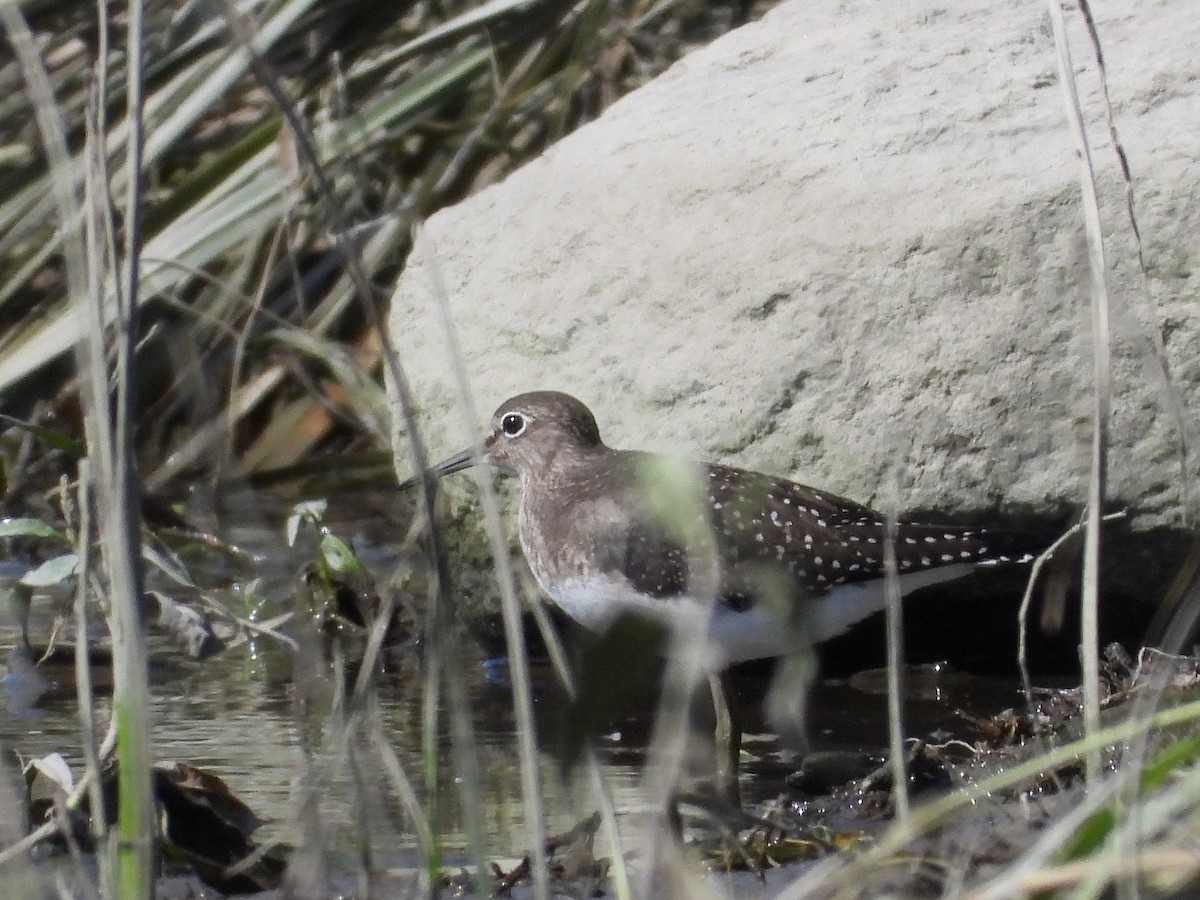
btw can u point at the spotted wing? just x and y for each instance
(819, 539)
(826, 541)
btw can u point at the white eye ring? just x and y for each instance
(513, 424)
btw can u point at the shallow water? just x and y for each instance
(281, 750)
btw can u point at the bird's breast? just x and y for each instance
(564, 539)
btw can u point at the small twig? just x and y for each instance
(264, 629)
(1027, 599)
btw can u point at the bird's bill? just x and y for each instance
(456, 463)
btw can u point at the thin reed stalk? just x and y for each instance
(680, 502)
(895, 671)
(20, 878)
(97, 233)
(404, 789)
(121, 522)
(510, 608)
(1102, 387)
(109, 433)
(83, 670)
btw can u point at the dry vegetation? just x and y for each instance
(279, 139)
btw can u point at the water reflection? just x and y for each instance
(259, 716)
(237, 716)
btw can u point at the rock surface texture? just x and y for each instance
(846, 244)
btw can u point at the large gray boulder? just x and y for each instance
(845, 244)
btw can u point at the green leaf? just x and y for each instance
(54, 439)
(1179, 754)
(339, 556)
(1094, 830)
(29, 528)
(52, 571)
(1089, 836)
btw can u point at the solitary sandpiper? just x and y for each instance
(772, 565)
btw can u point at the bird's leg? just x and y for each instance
(728, 737)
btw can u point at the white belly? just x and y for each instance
(736, 636)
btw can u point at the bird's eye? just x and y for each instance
(513, 424)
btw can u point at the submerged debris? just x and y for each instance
(571, 860)
(202, 826)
